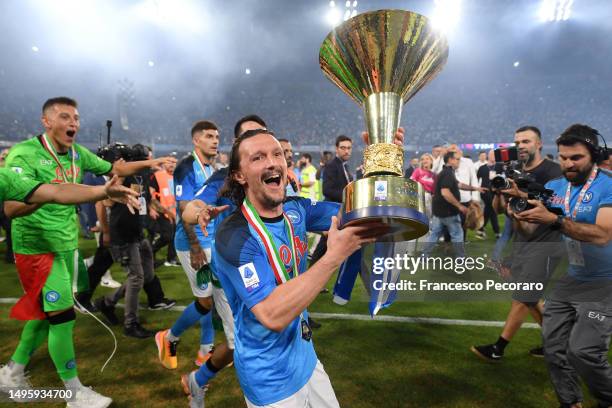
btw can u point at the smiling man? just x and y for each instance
(577, 324)
(261, 263)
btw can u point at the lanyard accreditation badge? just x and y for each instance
(273, 254)
(51, 150)
(574, 249)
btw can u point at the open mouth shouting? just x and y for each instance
(272, 179)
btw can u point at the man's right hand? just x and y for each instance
(197, 257)
(343, 242)
(463, 209)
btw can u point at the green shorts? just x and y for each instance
(63, 281)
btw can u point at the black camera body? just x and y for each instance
(508, 157)
(535, 191)
(116, 151)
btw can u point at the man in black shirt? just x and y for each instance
(130, 248)
(535, 250)
(446, 207)
(484, 177)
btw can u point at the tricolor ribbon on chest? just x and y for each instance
(51, 150)
(208, 173)
(272, 251)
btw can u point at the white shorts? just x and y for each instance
(317, 393)
(225, 313)
(185, 260)
(221, 304)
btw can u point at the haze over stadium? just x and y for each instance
(153, 66)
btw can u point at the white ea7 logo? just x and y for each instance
(597, 316)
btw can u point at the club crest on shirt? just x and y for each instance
(52, 296)
(249, 276)
(17, 170)
(588, 196)
(294, 216)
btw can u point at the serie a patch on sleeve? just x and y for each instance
(249, 276)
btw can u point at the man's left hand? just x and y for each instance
(118, 193)
(537, 215)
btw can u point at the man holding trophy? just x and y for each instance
(262, 246)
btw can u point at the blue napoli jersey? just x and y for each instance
(188, 180)
(271, 365)
(597, 259)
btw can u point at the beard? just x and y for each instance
(271, 202)
(530, 158)
(580, 177)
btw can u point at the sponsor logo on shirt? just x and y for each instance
(249, 276)
(52, 296)
(46, 162)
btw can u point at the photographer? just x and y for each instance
(578, 313)
(130, 248)
(535, 247)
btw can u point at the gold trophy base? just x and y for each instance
(392, 200)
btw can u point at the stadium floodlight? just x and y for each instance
(555, 10)
(516, 64)
(333, 16)
(350, 9)
(446, 15)
(151, 64)
(172, 14)
(35, 48)
(247, 71)
(332, 3)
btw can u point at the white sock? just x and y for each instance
(171, 337)
(205, 348)
(73, 383)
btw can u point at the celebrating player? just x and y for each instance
(45, 243)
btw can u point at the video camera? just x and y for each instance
(535, 191)
(508, 157)
(116, 151)
(512, 169)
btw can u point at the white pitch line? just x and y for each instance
(419, 320)
(362, 317)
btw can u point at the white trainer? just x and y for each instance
(85, 397)
(108, 281)
(10, 379)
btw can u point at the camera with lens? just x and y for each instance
(508, 158)
(116, 151)
(535, 191)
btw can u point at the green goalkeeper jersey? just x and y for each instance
(14, 187)
(53, 227)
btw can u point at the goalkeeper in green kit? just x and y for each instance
(45, 239)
